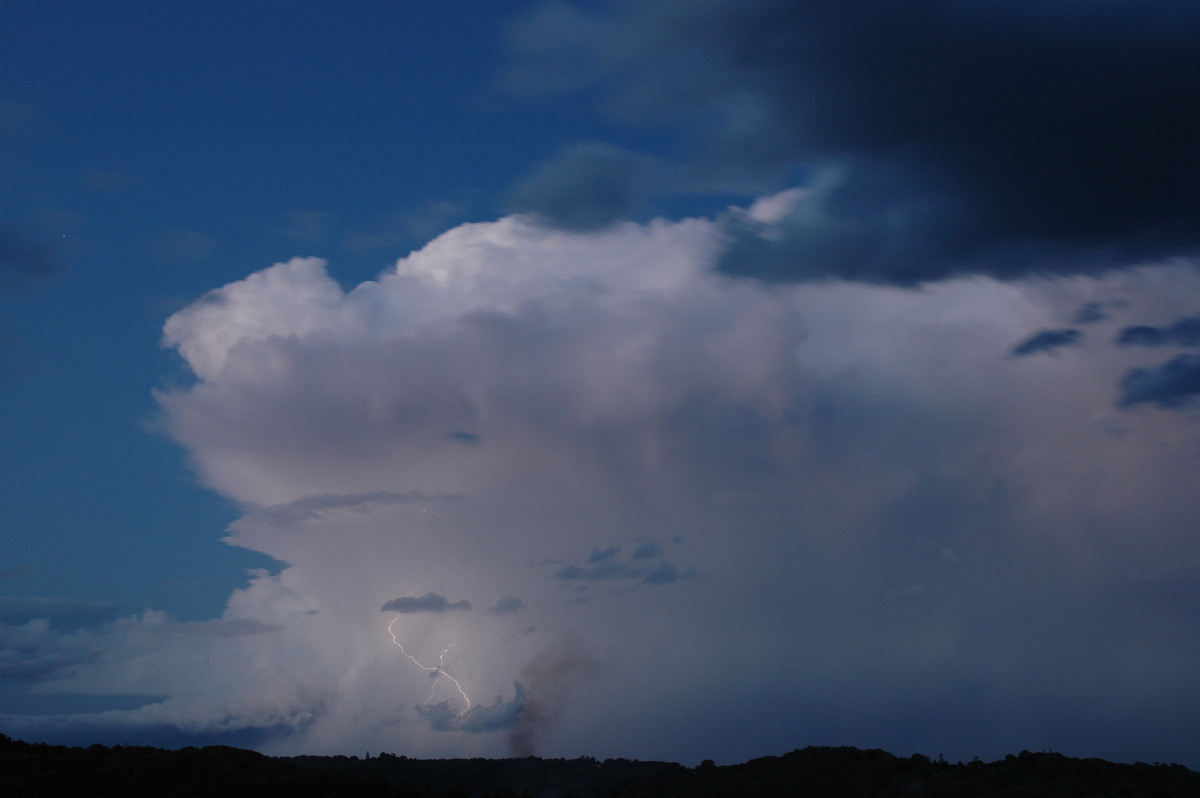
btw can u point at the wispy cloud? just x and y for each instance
(1047, 341)
(1182, 332)
(646, 564)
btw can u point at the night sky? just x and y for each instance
(666, 379)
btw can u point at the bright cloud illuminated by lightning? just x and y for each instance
(597, 489)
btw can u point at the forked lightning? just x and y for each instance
(436, 671)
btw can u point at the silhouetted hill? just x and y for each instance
(36, 769)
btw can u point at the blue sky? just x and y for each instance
(562, 374)
(164, 149)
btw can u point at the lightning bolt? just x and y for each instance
(436, 672)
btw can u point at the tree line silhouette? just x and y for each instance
(37, 770)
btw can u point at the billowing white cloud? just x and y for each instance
(807, 514)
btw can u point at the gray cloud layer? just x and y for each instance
(934, 138)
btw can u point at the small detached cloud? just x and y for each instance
(1184, 332)
(646, 565)
(500, 714)
(506, 605)
(233, 627)
(430, 602)
(1046, 341)
(1172, 385)
(648, 550)
(1093, 312)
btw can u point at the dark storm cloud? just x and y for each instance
(430, 602)
(1047, 341)
(1184, 332)
(935, 138)
(1171, 385)
(25, 261)
(586, 186)
(498, 715)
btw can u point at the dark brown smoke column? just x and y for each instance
(549, 678)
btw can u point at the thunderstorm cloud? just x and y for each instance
(943, 535)
(833, 381)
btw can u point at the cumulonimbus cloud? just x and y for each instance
(886, 520)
